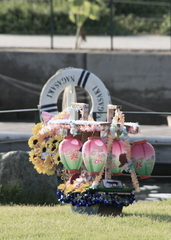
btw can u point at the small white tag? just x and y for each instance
(110, 183)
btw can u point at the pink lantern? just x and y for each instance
(118, 148)
(143, 157)
(70, 154)
(94, 153)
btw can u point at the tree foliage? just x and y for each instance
(33, 17)
(80, 11)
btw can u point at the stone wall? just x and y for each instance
(137, 81)
(15, 168)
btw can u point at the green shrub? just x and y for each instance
(141, 9)
(33, 17)
(14, 194)
(165, 27)
(10, 193)
(132, 24)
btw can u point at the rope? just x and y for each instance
(19, 84)
(131, 105)
(37, 86)
(25, 89)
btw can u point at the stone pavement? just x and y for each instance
(161, 43)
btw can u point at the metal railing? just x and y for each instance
(147, 3)
(165, 114)
(37, 111)
(24, 139)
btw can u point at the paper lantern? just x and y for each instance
(94, 153)
(70, 154)
(143, 157)
(118, 148)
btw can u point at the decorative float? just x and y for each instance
(87, 155)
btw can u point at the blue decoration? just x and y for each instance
(91, 198)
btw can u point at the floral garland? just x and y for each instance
(131, 168)
(44, 154)
(77, 183)
(109, 158)
(118, 128)
(62, 115)
(97, 179)
(75, 187)
(90, 198)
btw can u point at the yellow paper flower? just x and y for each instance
(39, 169)
(32, 155)
(62, 186)
(56, 158)
(42, 148)
(51, 148)
(55, 140)
(61, 115)
(83, 187)
(48, 163)
(67, 188)
(39, 161)
(49, 141)
(45, 143)
(39, 165)
(53, 143)
(70, 188)
(37, 128)
(50, 172)
(33, 141)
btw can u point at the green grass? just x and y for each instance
(145, 220)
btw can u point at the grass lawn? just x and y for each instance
(144, 220)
